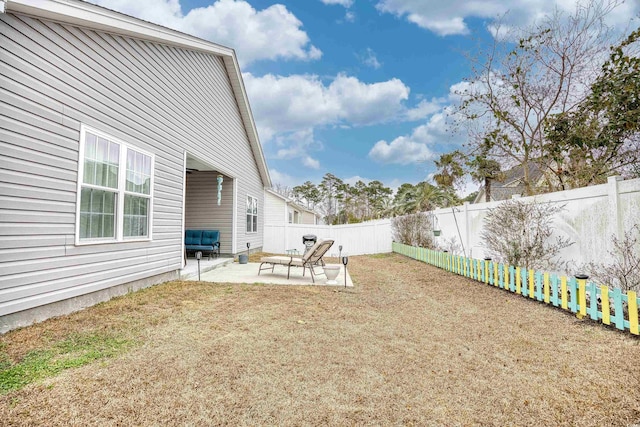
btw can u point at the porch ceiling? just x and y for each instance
(193, 163)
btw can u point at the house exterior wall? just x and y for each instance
(275, 211)
(307, 218)
(161, 99)
(294, 214)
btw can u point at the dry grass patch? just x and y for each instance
(411, 344)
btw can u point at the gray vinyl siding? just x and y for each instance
(161, 99)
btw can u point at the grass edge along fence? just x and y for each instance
(562, 292)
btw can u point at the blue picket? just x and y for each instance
(554, 290)
(573, 296)
(525, 282)
(538, 285)
(512, 278)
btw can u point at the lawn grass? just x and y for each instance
(74, 351)
(409, 345)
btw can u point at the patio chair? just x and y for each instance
(311, 258)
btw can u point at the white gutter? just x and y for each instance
(2, 6)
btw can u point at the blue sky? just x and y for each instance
(356, 88)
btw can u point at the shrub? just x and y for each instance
(414, 229)
(450, 245)
(519, 233)
(624, 271)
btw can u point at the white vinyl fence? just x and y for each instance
(371, 237)
(590, 217)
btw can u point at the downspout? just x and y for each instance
(3, 6)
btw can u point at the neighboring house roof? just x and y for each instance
(512, 183)
(83, 14)
(275, 193)
(291, 202)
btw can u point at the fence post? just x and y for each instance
(467, 240)
(613, 195)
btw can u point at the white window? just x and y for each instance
(252, 214)
(115, 184)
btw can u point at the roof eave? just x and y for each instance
(82, 14)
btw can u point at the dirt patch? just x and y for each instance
(410, 344)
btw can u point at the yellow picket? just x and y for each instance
(563, 291)
(606, 312)
(506, 276)
(582, 297)
(633, 312)
(518, 280)
(496, 279)
(532, 285)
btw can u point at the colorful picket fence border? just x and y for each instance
(581, 297)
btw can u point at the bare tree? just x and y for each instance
(514, 90)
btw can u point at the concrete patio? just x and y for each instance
(232, 272)
(190, 271)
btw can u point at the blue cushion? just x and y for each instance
(199, 248)
(210, 237)
(192, 237)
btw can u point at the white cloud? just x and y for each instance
(282, 179)
(298, 145)
(369, 59)
(293, 103)
(310, 162)
(447, 18)
(352, 180)
(403, 150)
(418, 146)
(424, 109)
(349, 16)
(267, 34)
(345, 3)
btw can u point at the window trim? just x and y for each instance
(252, 215)
(120, 191)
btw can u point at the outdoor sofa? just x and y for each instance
(206, 241)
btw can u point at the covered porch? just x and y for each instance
(209, 204)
